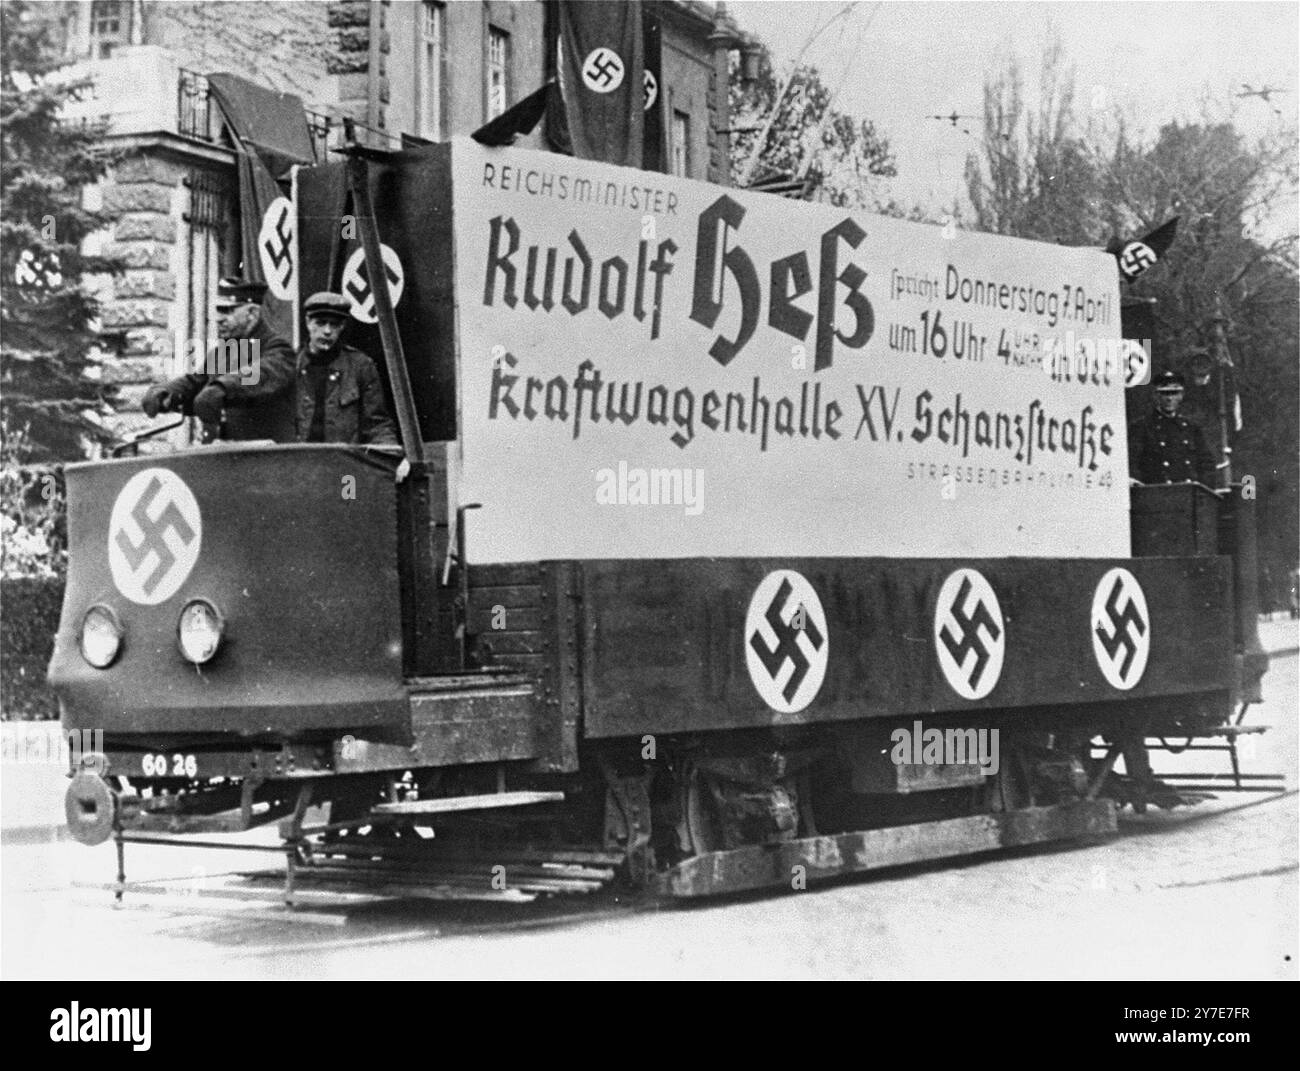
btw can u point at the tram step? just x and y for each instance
(475, 883)
(387, 886)
(488, 802)
(1235, 730)
(514, 872)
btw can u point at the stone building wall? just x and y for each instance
(316, 50)
(464, 62)
(144, 309)
(687, 77)
(360, 43)
(288, 45)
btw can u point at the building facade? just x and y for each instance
(425, 68)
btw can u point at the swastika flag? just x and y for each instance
(1137, 254)
(654, 154)
(408, 191)
(602, 80)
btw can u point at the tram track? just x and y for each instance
(254, 894)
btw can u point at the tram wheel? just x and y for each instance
(701, 827)
(717, 814)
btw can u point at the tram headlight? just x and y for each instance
(198, 633)
(101, 637)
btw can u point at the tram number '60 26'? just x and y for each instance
(180, 766)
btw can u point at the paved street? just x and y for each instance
(1205, 892)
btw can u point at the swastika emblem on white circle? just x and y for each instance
(1135, 258)
(969, 635)
(275, 248)
(1137, 363)
(36, 272)
(787, 642)
(154, 536)
(1121, 628)
(651, 89)
(356, 283)
(602, 70)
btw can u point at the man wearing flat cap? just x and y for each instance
(339, 398)
(1164, 447)
(245, 389)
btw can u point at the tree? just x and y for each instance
(47, 364)
(1220, 187)
(1045, 178)
(834, 152)
(1036, 176)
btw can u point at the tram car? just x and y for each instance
(732, 542)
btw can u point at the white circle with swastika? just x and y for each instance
(1120, 625)
(356, 286)
(787, 643)
(651, 89)
(154, 536)
(1137, 362)
(275, 243)
(36, 272)
(602, 70)
(970, 637)
(1135, 258)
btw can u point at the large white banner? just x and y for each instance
(657, 368)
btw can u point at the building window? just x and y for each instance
(70, 31)
(498, 68)
(110, 26)
(681, 144)
(210, 248)
(429, 62)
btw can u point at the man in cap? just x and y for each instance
(1164, 447)
(340, 398)
(244, 391)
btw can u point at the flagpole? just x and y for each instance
(1224, 362)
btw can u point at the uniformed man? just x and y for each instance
(1164, 447)
(245, 389)
(339, 398)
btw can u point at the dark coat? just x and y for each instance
(1164, 449)
(354, 401)
(261, 410)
